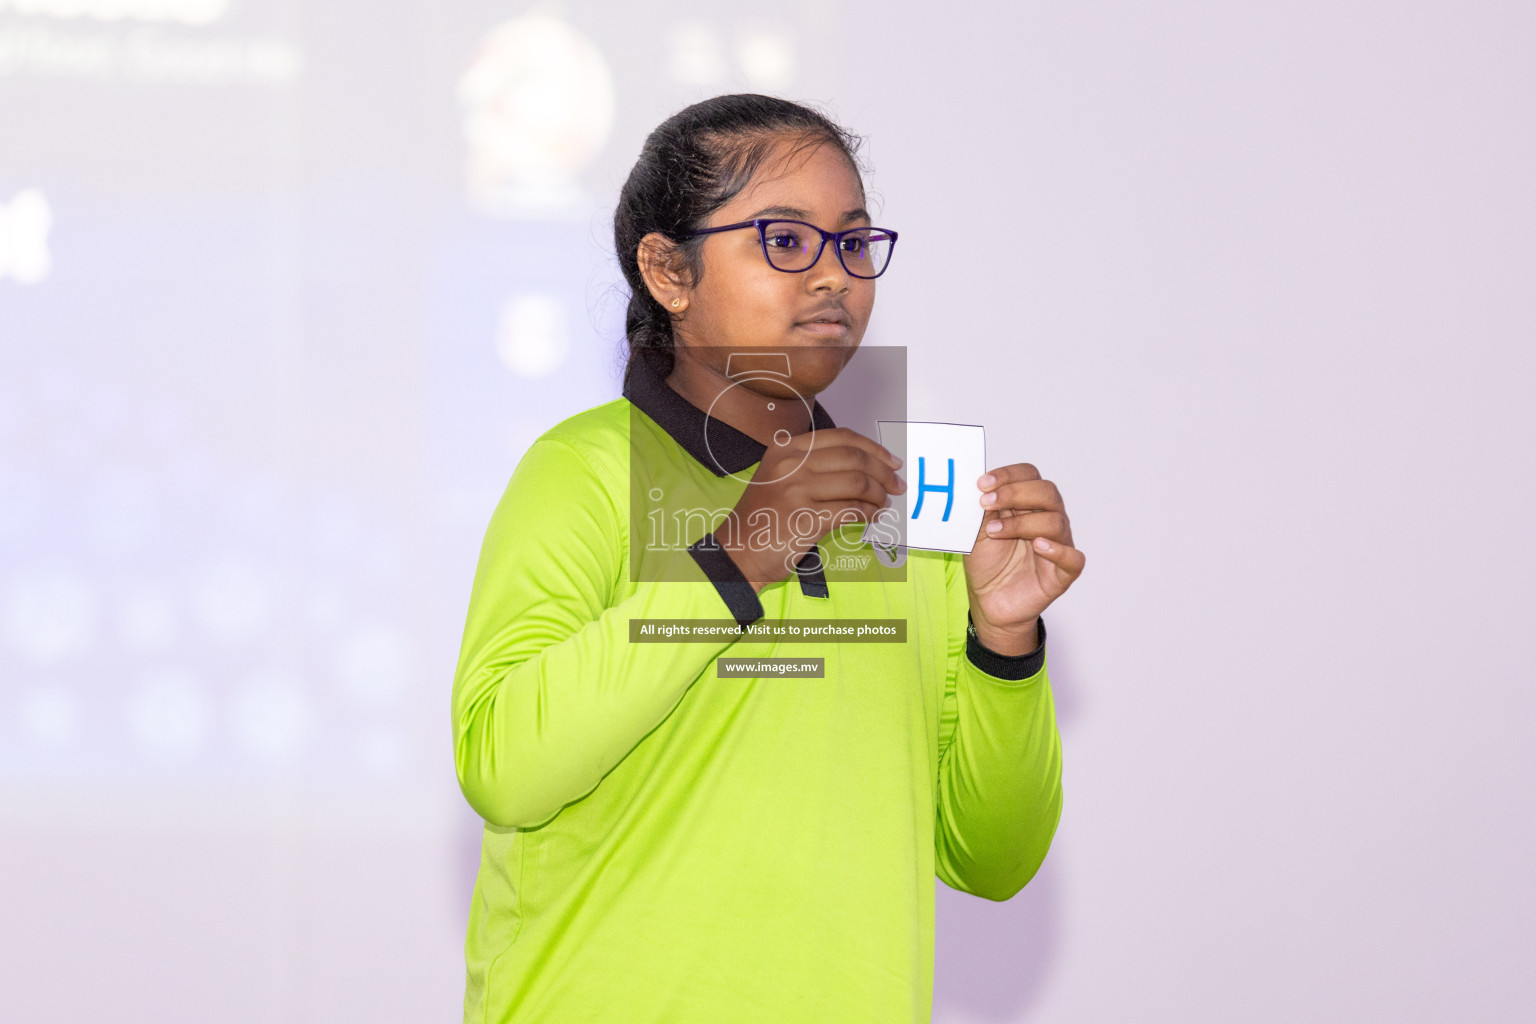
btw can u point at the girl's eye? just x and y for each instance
(855, 246)
(783, 240)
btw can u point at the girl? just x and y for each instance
(666, 843)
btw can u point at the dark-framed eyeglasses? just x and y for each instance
(794, 246)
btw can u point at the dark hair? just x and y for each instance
(695, 162)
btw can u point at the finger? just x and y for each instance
(866, 510)
(841, 514)
(847, 457)
(1026, 495)
(1069, 561)
(1007, 475)
(847, 485)
(842, 436)
(832, 515)
(1028, 525)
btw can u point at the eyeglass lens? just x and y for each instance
(793, 246)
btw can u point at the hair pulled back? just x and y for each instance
(695, 162)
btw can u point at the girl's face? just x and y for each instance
(741, 302)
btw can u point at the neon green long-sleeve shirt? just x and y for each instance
(664, 846)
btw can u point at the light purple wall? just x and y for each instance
(1254, 285)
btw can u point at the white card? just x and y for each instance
(940, 509)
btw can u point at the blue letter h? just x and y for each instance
(923, 485)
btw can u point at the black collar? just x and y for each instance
(728, 451)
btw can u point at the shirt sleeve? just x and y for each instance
(550, 694)
(999, 785)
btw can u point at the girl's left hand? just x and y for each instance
(1023, 558)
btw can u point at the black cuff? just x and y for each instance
(1004, 666)
(813, 574)
(734, 589)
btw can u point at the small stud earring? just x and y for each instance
(676, 303)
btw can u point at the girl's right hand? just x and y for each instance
(802, 490)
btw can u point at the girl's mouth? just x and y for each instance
(834, 329)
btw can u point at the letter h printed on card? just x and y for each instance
(940, 510)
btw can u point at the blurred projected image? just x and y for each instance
(25, 222)
(185, 12)
(163, 611)
(181, 42)
(537, 102)
(699, 55)
(279, 314)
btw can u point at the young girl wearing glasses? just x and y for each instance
(666, 843)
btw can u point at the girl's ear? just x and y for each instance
(665, 273)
